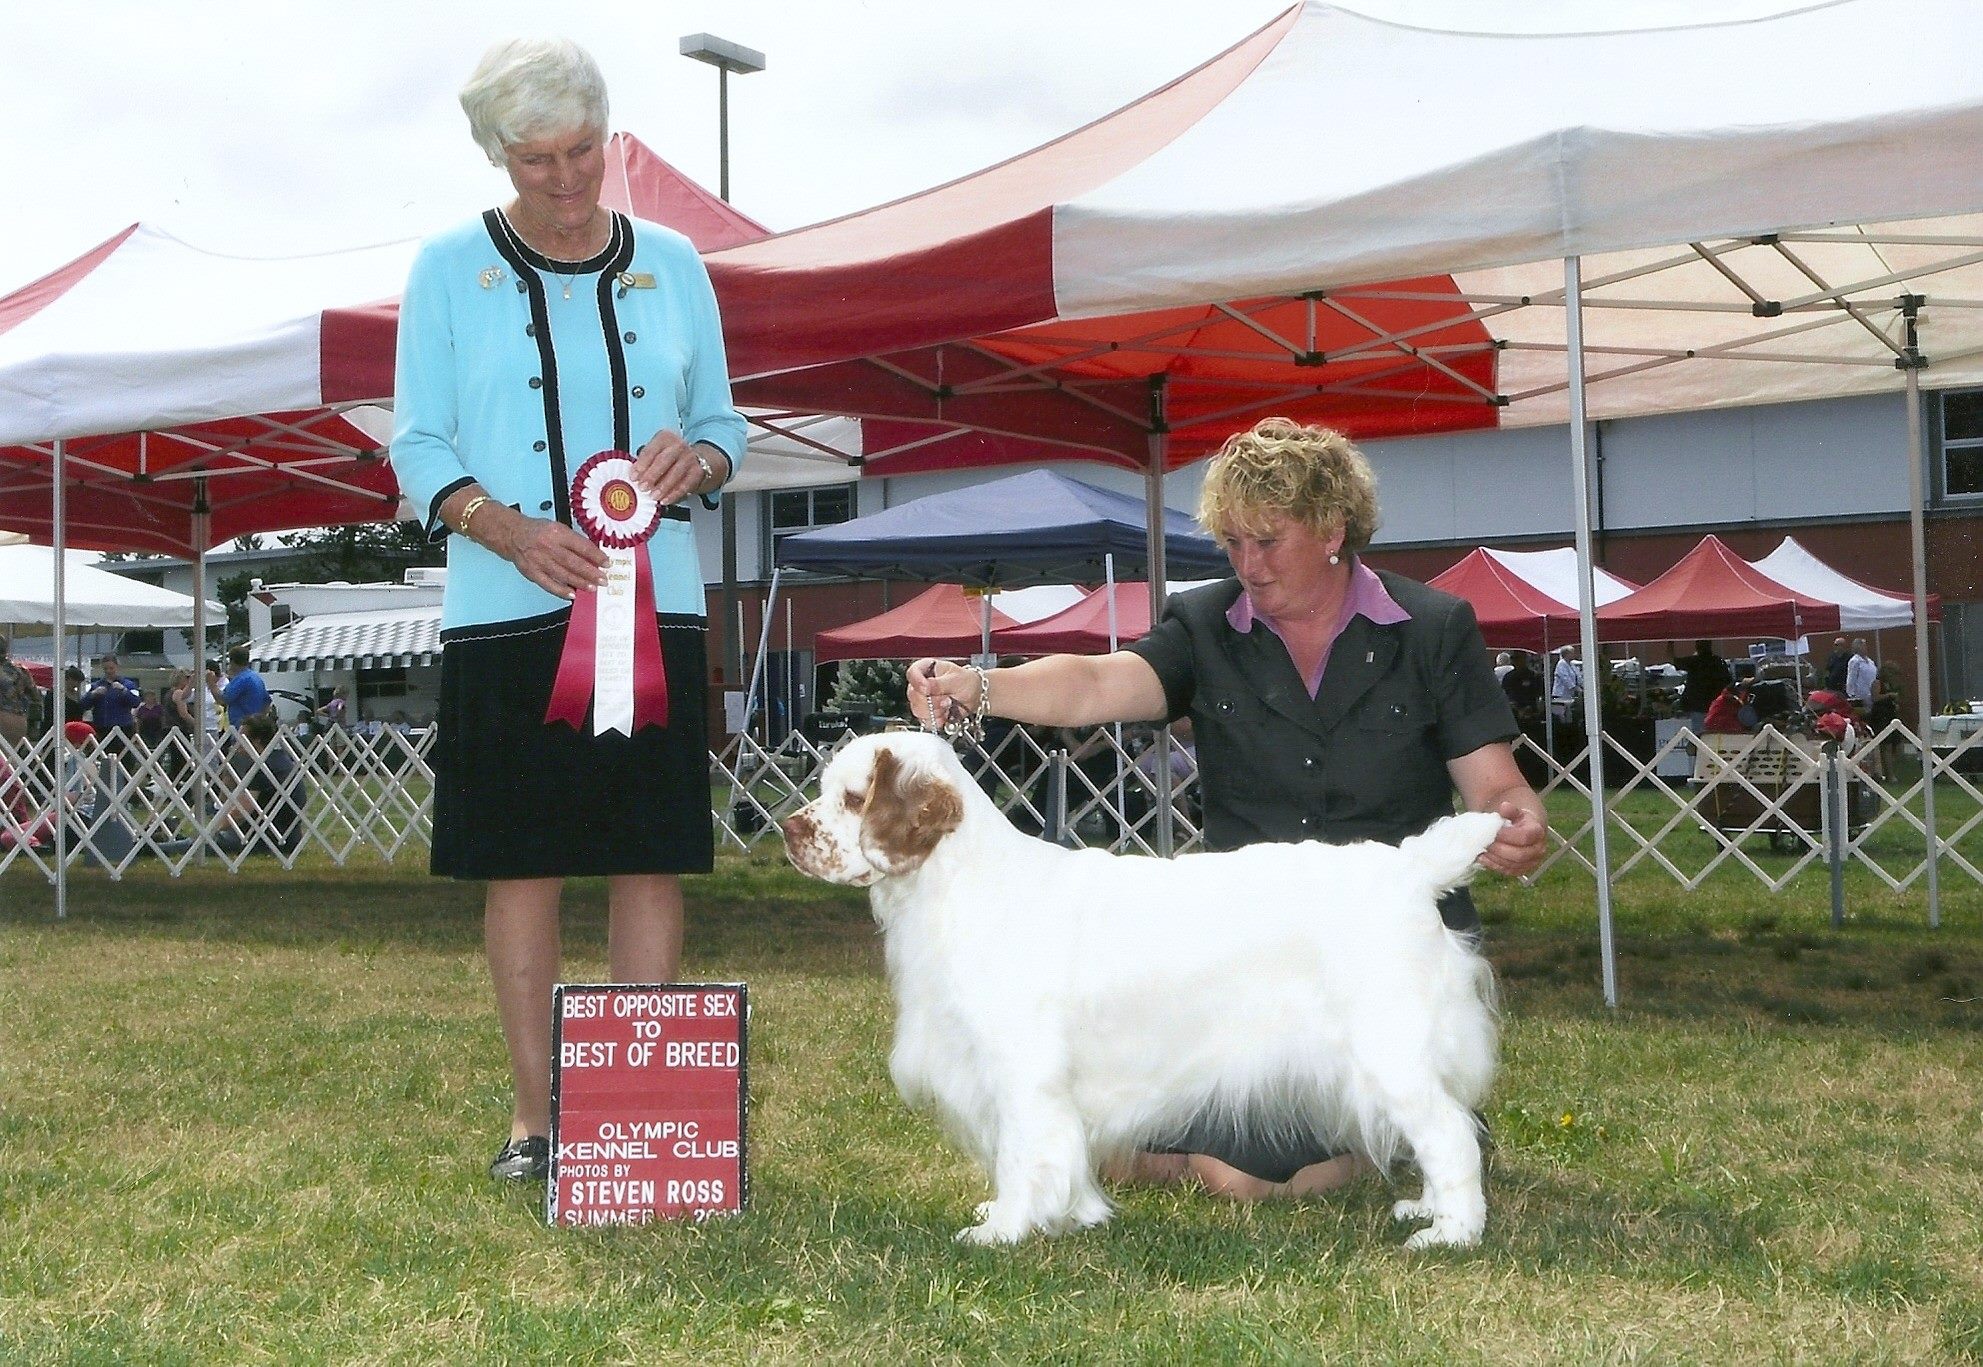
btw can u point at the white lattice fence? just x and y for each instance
(1764, 805)
(1755, 805)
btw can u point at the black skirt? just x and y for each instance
(515, 797)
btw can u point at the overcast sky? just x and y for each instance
(283, 127)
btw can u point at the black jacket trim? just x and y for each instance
(438, 530)
(620, 257)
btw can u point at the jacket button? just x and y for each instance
(1306, 823)
(522, 288)
(530, 329)
(537, 446)
(639, 392)
(536, 382)
(1308, 763)
(630, 337)
(545, 506)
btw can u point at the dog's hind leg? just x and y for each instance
(1043, 1177)
(1441, 1135)
(1400, 1096)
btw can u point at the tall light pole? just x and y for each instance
(726, 57)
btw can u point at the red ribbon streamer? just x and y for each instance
(571, 694)
(650, 674)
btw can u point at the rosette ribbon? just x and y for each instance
(612, 654)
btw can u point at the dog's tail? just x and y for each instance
(1444, 853)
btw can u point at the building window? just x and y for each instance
(1962, 443)
(798, 510)
(381, 683)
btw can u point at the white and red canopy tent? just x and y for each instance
(944, 619)
(1525, 600)
(1861, 607)
(1392, 229)
(1711, 592)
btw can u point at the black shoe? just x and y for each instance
(523, 1160)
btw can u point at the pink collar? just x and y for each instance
(1367, 598)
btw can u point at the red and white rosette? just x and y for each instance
(612, 655)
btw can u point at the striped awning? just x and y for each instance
(402, 637)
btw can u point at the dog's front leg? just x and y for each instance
(1043, 1176)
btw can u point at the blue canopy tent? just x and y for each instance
(1039, 527)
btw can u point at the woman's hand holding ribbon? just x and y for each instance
(667, 468)
(550, 555)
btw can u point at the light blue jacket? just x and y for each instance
(504, 380)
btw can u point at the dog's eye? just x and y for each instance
(855, 801)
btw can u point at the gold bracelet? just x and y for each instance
(474, 506)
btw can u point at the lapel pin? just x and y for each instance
(1370, 657)
(492, 276)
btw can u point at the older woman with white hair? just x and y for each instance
(561, 394)
(1329, 701)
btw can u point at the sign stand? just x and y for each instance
(648, 1099)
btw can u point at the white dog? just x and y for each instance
(1060, 1007)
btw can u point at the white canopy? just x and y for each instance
(1555, 573)
(1860, 606)
(95, 598)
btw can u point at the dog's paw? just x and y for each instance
(1413, 1210)
(1445, 1234)
(982, 1211)
(987, 1234)
(1089, 1211)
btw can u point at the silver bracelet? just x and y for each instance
(971, 727)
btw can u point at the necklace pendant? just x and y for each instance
(568, 290)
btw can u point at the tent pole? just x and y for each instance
(763, 639)
(58, 691)
(1573, 288)
(1121, 815)
(202, 528)
(1154, 556)
(1924, 705)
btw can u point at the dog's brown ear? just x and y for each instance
(907, 814)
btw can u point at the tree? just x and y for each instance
(875, 687)
(364, 552)
(232, 590)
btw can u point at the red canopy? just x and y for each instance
(941, 620)
(1714, 593)
(1084, 628)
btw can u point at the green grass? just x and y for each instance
(245, 1120)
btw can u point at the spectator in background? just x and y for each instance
(181, 718)
(1860, 671)
(1707, 674)
(1883, 711)
(112, 703)
(1523, 685)
(1835, 665)
(244, 695)
(18, 696)
(150, 717)
(1732, 713)
(73, 706)
(1502, 664)
(332, 713)
(1563, 683)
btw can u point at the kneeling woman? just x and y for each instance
(1330, 701)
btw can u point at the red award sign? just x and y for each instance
(647, 1102)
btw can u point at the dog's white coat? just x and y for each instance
(1058, 1007)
